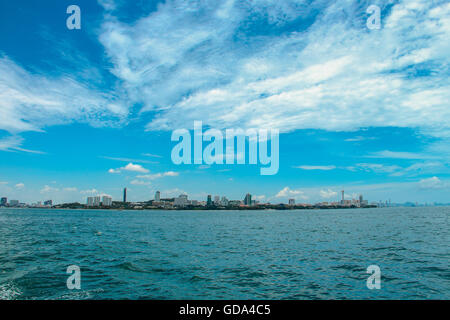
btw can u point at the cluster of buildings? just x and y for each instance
(99, 201)
(17, 204)
(218, 201)
(358, 203)
(182, 201)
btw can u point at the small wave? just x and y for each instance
(130, 267)
(196, 278)
(8, 291)
(134, 268)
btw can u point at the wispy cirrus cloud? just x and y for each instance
(30, 101)
(128, 160)
(328, 194)
(152, 155)
(138, 182)
(159, 175)
(399, 155)
(71, 189)
(89, 191)
(14, 143)
(322, 168)
(48, 189)
(359, 138)
(193, 61)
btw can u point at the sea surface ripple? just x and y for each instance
(298, 254)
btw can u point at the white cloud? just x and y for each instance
(171, 193)
(328, 194)
(130, 167)
(325, 168)
(378, 168)
(398, 155)
(14, 143)
(108, 4)
(128, 159)
(187, 61)
(139, 182)
(31, 101)
(20, 185)
(159, 175)
(89, 191)
(152, 155)
(432, 183)
(259, 197)
(135, 168)
(48, 189)
(428, 167)
(70, 189)
(288, 193)
(190, 62)
(359, 138)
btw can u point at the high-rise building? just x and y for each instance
(125, 195)
(216, 200)
(248, 199)
(14, 203)
(224, 201)
(4, 201)
(97, 201)
(158, 196)
(181, 201)
(291, 202)
(106, 201)
(90, 201)
(48, 203)
(209, 201)
(342, 199)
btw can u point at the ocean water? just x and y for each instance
(304, 254)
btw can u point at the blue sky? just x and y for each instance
(91, 111)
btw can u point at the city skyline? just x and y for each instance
(88, 111)
(103, 200)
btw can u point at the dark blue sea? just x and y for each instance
(304, 254)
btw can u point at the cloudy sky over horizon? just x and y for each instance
(91, 111)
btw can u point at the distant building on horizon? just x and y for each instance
(106, 201)
(208, 200)
(224, 201)
(248, 199)
(181, 201)
(158, 196)
(48, 203)
(125, 195)
(216, 200)
(93, 201)
(14, 203)
(4, 201)
(291, 202)
(235, 202)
